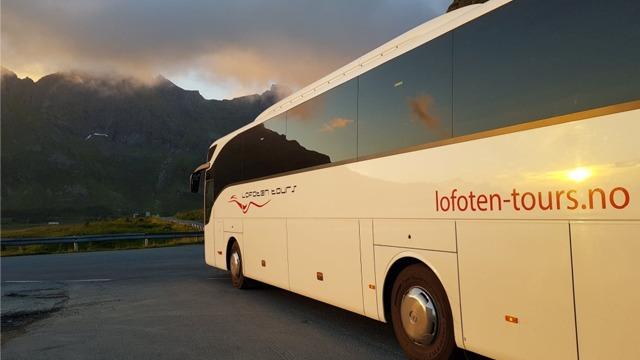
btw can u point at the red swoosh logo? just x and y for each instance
(245, 207)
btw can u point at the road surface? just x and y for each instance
(167, 304)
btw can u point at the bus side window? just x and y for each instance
(532, 60)
(406, 101)
(326, 125)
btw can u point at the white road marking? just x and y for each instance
(41, 281)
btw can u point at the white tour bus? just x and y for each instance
(475, 182)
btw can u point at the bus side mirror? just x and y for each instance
(194, 179)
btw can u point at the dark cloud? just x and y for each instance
(242, 43)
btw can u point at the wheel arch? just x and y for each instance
(230, 242)
(395, 266)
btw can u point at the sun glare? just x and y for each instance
(579, 174)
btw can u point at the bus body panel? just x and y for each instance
(209, 243)
(265, 253)
(606, 271)
(324, 261)
(233, 225)
(443, 264)
(516, 289)
(367, 259)
(220, 243)
(439, 235)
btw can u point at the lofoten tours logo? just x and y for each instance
(245, 207)
(260, 197)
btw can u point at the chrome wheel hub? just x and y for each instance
(235, 264)
(419, 316)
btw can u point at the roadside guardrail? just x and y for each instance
(98, 238)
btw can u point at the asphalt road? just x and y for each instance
(167, 304)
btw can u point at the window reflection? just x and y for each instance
(336, 123)
(531, 60)
(277, 124)
(266, 153)
(227, 168)
(261, 151)
(406, 101)
(327, 123)
(308, 110)
(422, 110)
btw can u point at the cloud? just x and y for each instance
(244, 69)
(421, 109)
(243, 45)
(307, 111)
(336, 123)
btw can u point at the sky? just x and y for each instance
(223, 48)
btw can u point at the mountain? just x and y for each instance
(457, 4)
(78, 146)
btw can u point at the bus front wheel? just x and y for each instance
(421, 315)
(235, 267)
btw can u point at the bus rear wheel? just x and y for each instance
(421, 315)
(235, 267)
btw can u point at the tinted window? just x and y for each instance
(277, 124)
(209, 193)
(534, 59)
(267, 151)
(227, 167)
(258, 152)
(326, 124)
(406, 101)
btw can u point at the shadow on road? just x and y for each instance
(379, 334)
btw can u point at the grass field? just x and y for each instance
(193, 215)
(149, 225)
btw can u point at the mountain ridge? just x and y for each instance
(75, 145)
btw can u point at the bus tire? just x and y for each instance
(236, 267)
(421, 314)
